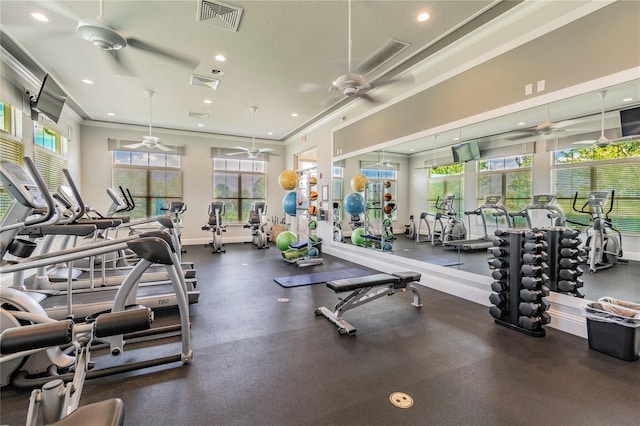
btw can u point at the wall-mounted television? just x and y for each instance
(50, 100)
(466, 151)
(630, 121)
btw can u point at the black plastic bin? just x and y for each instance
(613, 327)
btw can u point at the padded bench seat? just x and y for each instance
(398, 279)
(366, 289)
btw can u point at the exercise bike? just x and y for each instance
(447, 226)
(410, 229)
(216, 211)
(604, 242)
(257, 225)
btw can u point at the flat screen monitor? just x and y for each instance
(467, 151)
(630, 121)
(50, 100)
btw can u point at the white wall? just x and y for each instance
(197, 169)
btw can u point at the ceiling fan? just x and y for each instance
(547, 128)
(104, 36)
(353, 84)
(150, 141)
(384, 162)
(252, 152)
(602, 141)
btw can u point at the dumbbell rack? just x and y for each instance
(519, 290)
(564, 258)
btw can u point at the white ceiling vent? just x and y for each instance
(211, 83)
(199, 115)
(220, 14)
(382, 55)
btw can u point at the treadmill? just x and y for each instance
(491, 203)
(90, 281)
(33, 206)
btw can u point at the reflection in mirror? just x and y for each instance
(548, 150)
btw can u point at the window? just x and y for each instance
(50, 155)
(238, 183)
(5, 117)
(376, 172)
(509, 177)
(612, 168)
(154, 180)
(337, 193)
(446, 180)
(10, 150)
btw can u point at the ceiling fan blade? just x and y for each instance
(585, 142)
(236, 153)
(261, 150)
(121, 65)
(368, 98)
(408, 79)
(172, 56)
(241, 148)
(135, 145)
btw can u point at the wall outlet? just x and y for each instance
(540, 86)
(528, 89)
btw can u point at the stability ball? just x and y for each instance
(357, 236)
(289, 203)
(284, 239)
(313, 252)
(288, 180)
(358, 183)
(353, 203)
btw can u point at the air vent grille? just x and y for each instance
(382, 55)
(199, 115)
(220, 14)
(211, 83)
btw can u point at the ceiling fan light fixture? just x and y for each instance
(100, 35)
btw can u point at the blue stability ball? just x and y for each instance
(289, 203)
(353, 203)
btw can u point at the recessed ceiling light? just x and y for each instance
(294, 114)
(208, 101)
(456, 139)
(200, 125)
(627, 99)
(410, 149)
(87, 81)
(220, 58)
(110, 114)
(40, 17)
(522, 123)
(423, 17)
(270, 133)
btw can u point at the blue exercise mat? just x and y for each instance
(320, 277)
(441, 261)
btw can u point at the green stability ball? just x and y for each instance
(357, 236)
(284, 239)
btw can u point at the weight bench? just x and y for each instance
(367, 289)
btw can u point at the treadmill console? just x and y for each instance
(541, 201)
(492, 200)
(21, 186)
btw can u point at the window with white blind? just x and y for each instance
(509, 177)
(443, 181)
(10, 150)
(239, 184)
(153, 179)
(614, 168)
(50, 155)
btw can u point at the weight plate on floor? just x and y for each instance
(401, 400)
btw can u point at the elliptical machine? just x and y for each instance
(604, 242)
(410, 229)
(216, 211)
(451, 230)
(257, 224)
(176, 210)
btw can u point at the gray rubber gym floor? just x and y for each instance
(261, 361)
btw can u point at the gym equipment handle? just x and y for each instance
(18, 339)
(123, 322)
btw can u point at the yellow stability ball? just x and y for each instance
(288, 180)
(358, 183)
